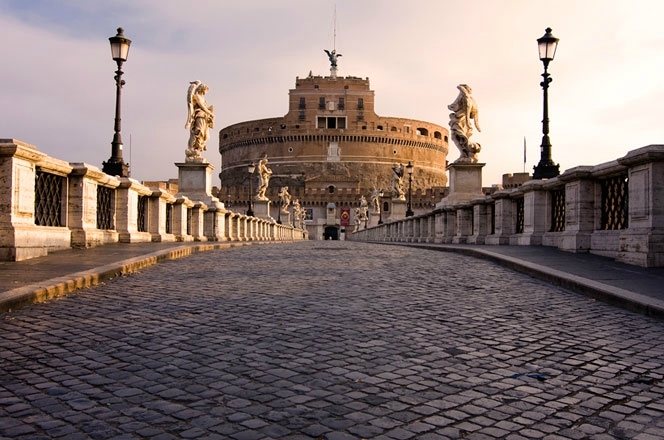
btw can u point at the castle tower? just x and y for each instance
(332, 147)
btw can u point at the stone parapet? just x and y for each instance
(48, 204)
(614, 209)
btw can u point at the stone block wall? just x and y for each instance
(48, 204)
(615, 209)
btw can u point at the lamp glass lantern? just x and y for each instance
(547, 46)
(120, 46)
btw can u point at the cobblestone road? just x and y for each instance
(329, 340)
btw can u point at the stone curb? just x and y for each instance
(15, 299)
(614, 295)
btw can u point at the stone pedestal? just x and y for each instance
(195, 182)
(465, 183)
(285, 218)
(374, 218)
(398, 210)
(262, 210)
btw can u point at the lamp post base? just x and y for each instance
(114, 168)
(546, 171)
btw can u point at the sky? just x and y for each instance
(58, 91)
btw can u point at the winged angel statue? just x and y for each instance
(464, 113)
(200, 119)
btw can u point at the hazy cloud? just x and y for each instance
(58, 89)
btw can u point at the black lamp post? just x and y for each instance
(250, 169)
(115, 166)
(409, 169)
(546, 168)
(380, 207)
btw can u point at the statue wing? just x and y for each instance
(190, 104)
(327, 52)
(475, 116)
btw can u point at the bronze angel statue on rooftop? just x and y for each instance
(332, 56)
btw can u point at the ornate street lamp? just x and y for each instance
(409, 169)
(250, 169)
(546, 168)
(115, 166)
(380, 207)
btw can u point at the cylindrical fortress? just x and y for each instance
(332, 137)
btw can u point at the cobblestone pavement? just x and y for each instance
(329, 340)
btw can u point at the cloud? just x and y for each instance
(58, 79)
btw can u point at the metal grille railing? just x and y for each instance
(615, 202)
(558, 210)
(48, 199)
(520, 215)
(141, 214)
(105, 207)
(169, 218)
(189, 215)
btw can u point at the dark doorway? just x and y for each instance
(331, 233)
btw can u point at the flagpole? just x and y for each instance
(524, 154)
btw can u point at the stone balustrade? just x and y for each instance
(48, 204)
(615, 209)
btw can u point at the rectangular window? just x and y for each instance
(342, 103)
(331, 122)
(360, 103)
(303, 104)
(321, 103)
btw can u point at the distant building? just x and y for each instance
(171, 186)
(515, 180)
(331, 147)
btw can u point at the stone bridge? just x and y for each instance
(331, 340)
